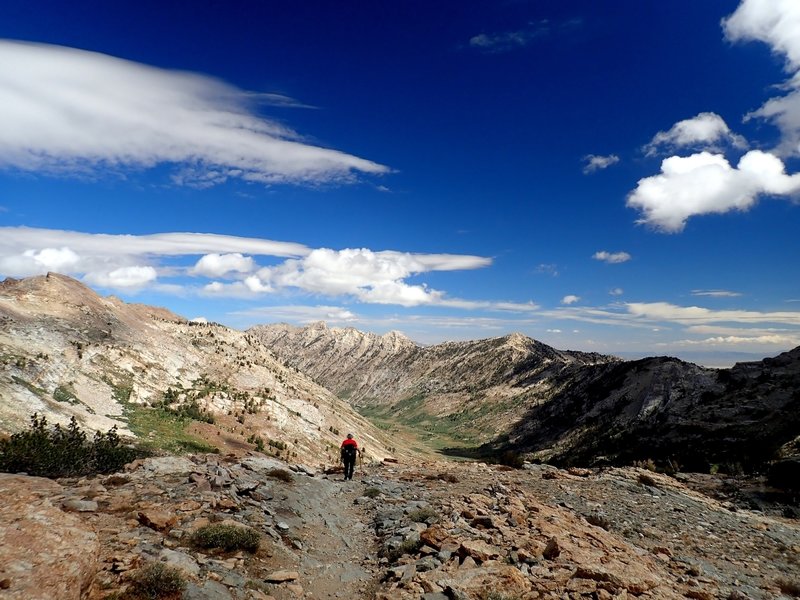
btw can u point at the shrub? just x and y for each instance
(281, 474)
(422, 515)
(788, 587)
(63, 451)
(646, 479)
(448, 477)
(410, 546)
(372, 492)
(155, 581)
(226, 537)
(599, 520)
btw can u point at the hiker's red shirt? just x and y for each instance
(349, 442)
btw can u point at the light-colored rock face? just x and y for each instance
(65, 351)
(479, 388)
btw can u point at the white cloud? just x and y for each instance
(301, 314)
(616, 291)
(554, 331)
(375, 277)
(547, 269)
(735, 340)
(611, 257)
(38, 262)
(706, 183)
(124, 277)
(595, 162)
(706, 130)
(125, 261)
(570, 299)
(716, 293)
(217, 265)
(776, 23)
(696, 315)
(64, 110)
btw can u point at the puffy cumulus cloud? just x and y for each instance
(570, 299)
(375, 277)
(705, 183)
(611, 257)
(706, 130)
(776, 23)
(217, 265)
(124, 277)
(38, 262)
(595, 162)
(64, 110)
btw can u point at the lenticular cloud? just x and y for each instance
(64, 110)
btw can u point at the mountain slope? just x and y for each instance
(467, 390)
(666, 409)
(571, 408)
(65, 351)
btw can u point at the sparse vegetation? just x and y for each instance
(156, 581)
(422, 515)
(63, 451)
(372, 492)
(599, 520)
(646, 479)
(226, 537)
(410, 546)
(281, 474)
(789, 587)
(65, 393)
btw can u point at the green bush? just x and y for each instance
(226, 537)
(155, 581)
(63, 451)
(372, 492)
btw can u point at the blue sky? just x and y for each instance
(615, 180)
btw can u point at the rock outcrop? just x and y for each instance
(398, 531)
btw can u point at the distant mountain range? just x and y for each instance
(65, 351)
(514, 393)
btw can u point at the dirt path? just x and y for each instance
(338, 546)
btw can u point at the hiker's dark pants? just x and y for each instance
(349, 467)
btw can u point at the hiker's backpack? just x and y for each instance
(349, 452)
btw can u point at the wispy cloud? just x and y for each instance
(506, 41)
(616, 291)
(707, 131)
(611, 258)
(596, 162)
(705, 183)
(66, 111)
(716, 293)
(547, 269)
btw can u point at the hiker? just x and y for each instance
(349, 452)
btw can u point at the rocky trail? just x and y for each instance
(435, 530)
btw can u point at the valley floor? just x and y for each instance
(434, 530)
